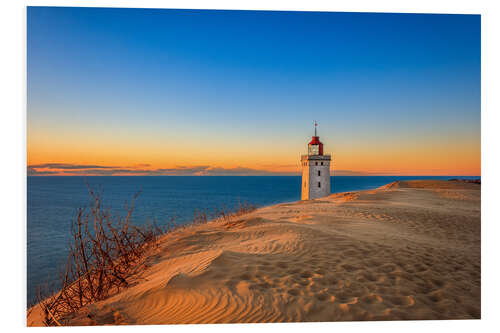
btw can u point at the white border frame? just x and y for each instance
(13, 142)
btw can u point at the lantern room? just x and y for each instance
(315, 147)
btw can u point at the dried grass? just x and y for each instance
(105, 254)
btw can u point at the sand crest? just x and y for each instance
(408, 250)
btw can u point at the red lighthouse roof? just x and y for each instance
(315, 142)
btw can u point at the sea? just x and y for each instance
(52, 204)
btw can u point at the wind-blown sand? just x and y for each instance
(408, 250)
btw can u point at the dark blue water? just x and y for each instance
(53, 201)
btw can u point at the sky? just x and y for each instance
(207, 92)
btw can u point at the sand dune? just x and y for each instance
(409, 250)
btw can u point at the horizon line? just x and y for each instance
(263, 175)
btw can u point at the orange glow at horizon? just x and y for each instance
(446, 159)
(453, 153)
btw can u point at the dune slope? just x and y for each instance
(408, 250)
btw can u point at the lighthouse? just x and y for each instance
(315, 170)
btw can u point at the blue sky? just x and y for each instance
(242, 88)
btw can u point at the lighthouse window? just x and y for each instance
(321, 163)
(316, 163)
(319, 173)
(319, 184)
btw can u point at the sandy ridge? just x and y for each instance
(408, 250)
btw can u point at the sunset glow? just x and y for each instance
(169, 92)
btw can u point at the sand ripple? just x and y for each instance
(409, 250)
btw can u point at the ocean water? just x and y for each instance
(53, 202)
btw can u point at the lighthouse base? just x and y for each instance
(315, 176)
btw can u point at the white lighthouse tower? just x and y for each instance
(315, 170)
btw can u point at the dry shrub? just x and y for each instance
(223, 214)
(105, 254)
